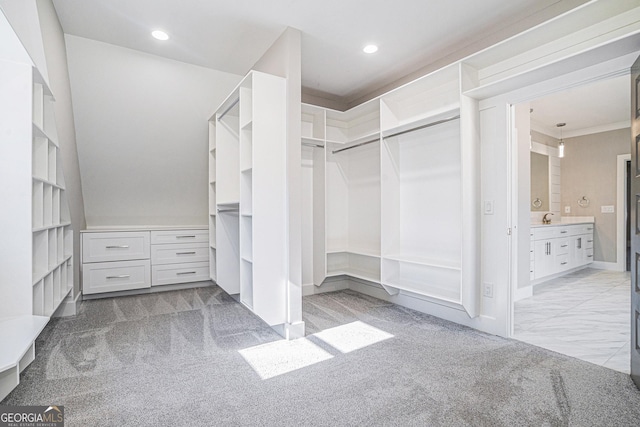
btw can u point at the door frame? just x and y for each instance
(604, 70)
(621, 206)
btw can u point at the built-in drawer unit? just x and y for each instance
(180, 273)
(179, 253)
(137, 259)
(116, 276)
(120, 246)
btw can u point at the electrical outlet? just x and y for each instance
(487, 290)
(607, 209)
(567, 209)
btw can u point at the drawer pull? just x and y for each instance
(185, 272)
(563, 246)
(563, 263)
(186, 253)
(121, 276)
(589, 256)
(590, 241)
(186, 237)
(118, 247)
(564, 232)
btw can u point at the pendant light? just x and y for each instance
(561, 143)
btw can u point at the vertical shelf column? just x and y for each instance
(246, 193)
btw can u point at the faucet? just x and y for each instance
(546, 220)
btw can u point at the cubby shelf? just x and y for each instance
(39, 275)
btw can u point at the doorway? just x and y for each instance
(582, 312)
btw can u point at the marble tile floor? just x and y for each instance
(584, 314)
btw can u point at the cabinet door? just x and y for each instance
(543, 258)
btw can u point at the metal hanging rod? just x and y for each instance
(428, 125)
(311, 144)
(354, 146)
(228, 210)
(233, 104)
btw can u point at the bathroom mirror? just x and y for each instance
(539, 182)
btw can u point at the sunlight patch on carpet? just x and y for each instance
(280, 357)
(352, 336)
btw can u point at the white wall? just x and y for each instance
(141, 129)
(56, 58)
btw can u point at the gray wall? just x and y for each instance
(142, 132)
(56, 58)
(589, 169)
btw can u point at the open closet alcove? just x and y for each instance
(393, 196)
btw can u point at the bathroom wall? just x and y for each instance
(589, 169)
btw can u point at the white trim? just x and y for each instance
(597, 129)
(555, 133)
(523, 293)
(621, 191)
(602, 265)
(69, 306)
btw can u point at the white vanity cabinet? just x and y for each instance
(557, 248)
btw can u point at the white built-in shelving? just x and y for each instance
(36, 265)
(247, 198)
(395, 190)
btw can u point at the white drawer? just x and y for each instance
(179, 236)
(587, 240)
(179, 253)
(562, 246)
(179, 273)
(546, 232)
(588, 255)
(120, 246)
(562, 261)
(115, 276)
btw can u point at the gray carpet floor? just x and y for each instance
(174, 358)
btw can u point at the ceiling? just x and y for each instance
(600, 106)
(232, 35)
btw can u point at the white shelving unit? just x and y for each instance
(247, 198)
(400, 190)
(36, 265)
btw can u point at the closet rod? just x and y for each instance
(233, 104)
(428, 125)
(311, 144)
(228, 210)
(354, 146)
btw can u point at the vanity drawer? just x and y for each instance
(120, 246)
(562, 246)
(115, 276)
(562, 261)
(588, 255)
(179, 236)
(179, 273)
(546, 232)
(179, 253)
(588, 241)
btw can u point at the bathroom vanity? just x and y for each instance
(559, 248)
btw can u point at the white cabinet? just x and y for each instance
(133, 260)
(558, 248)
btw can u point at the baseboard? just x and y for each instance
(602, 265)
(69, 306)
(308, 289)
(151, 290)
(523, 293)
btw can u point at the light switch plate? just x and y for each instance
(607, 209)
(488, 207)
(567, 209)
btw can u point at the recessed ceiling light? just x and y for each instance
(160, 35)
(370, 48)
